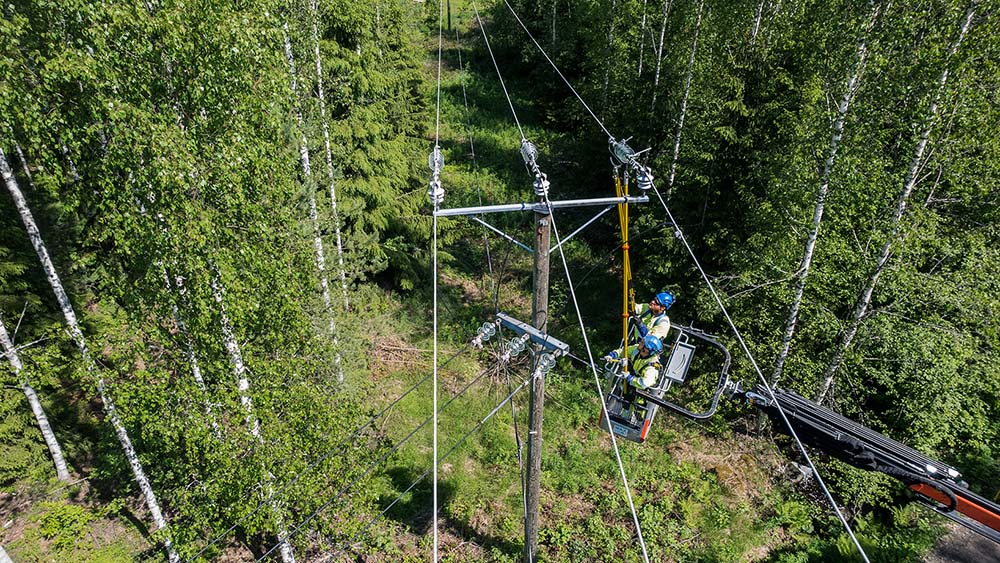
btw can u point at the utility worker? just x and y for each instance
(653, 317)
(643, 361)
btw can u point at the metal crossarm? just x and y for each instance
(539, 207)
(536, 336)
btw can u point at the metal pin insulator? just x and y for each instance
(541, 185)
(435, 192)
(643, 178)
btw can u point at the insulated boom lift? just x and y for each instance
(935, 484)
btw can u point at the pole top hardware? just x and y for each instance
(623, 155)
(435, 162)
(539, 207)
(557, 347)
(530, 155)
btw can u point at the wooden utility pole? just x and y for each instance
(539, 318)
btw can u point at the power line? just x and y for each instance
(482, 27)
(381, 459)
(711, 288)
(509, 398)
(767, 386)
(436, 199)
(600, 391)
(323, 458)
(472, 152)
(559, 72)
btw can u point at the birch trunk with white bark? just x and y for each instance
(74, 328)
(236, 357)
(818, 207)
(554, 8)
(313, 215)
(756, 22)
(253, 423)
(642, 38)
(909, 182)
(684, 101)
(608, 55)
(23, 161)
(177, 285)
(55, 450)
(667, 4)
(329, 162)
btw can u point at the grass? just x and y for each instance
(60, 526)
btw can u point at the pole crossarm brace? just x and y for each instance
(503, 234)
(536, 336)
(539, 207)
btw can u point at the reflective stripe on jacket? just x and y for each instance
(658, 325)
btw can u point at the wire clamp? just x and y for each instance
(623, 155)
(530, 155)
(436, 162)
(485, 332)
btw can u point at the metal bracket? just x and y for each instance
(545, 341)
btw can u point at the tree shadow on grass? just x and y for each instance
(414, 511)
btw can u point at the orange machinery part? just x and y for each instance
(965, 506)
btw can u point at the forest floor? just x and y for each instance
(961, 545)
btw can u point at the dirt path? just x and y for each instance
(963, 546)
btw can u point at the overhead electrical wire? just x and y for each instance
(280, 490)
(489, 260)
(556, 68)
(434, 400)
(767, 386)
(475, 164)
(628, 491)
(508, 399)
(482, 28)
(732, 325)
(378, 462)
(600, 390)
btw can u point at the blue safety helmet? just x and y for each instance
(665, 298)
(652, 344)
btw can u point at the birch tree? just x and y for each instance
(314, 13)
(684, 101)
(313, 215)
(667, 4)
(253, 423)
(861, 57)
(91, 366)
(55, 450)
(910, 179)
(756, 21)
(608, 54)
(642, 38)
(177, 286)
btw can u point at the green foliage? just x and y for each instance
(162, 144)
(64, 524)
(22, 452)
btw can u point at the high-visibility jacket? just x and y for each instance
(657, 325)
(643, 371)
